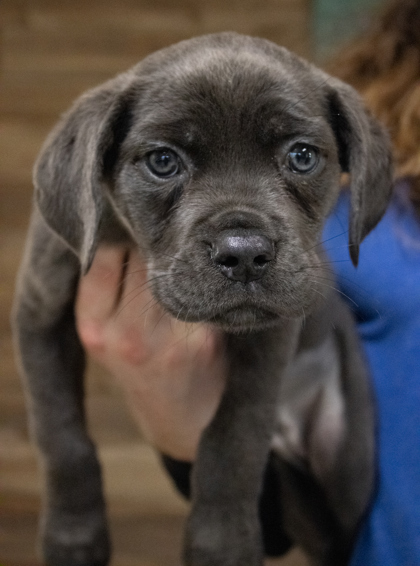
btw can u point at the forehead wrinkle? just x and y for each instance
(275, 126)
(227, 86)
(192, 131)
(178, 132)
(289, 125)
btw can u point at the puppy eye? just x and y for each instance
(163, 162)
(303, 158)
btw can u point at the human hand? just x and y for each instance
(172, 373)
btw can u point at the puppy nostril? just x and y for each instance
(230, 261)
(261, 260)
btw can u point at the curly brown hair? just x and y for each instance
(384, 66)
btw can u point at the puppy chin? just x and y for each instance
(244, 319)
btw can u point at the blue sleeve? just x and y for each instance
(384, 293)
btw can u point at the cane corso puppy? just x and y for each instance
(219, 159)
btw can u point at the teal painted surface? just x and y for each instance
(337, 21)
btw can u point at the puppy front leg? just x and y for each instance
(223, 528)
(74, 531)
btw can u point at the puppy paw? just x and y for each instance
(60, 555)
(222, 540)
(85, 543)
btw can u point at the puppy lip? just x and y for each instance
(244, 317)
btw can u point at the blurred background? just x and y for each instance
(50, 52)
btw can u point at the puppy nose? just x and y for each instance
(241, 257)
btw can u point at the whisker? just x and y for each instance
(143, 287)
(164, 313)
(321, 265)
(319, 292)
(145, 254)
(138, 290)
(348, 280)
(191, 328)
(338, 291)
(323, 242)
(122, 280)
(144, 312)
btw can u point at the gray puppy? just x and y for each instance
(219, 158)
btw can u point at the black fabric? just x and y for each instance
(276, 542)
(180, 473)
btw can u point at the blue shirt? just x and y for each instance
(384, 293)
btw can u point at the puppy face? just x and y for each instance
(225, 179)
(222, 157)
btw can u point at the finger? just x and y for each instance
(97, 294)
(138, 305)
(125, 335)
(136, 284)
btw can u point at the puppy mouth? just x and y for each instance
(241, 317)
(244, 318)
(252, 310)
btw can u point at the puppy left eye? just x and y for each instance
(303, 158)
(163, 162)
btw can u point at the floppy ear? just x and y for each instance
(69, 173)
(364, 152)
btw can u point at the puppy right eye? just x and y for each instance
(303, 158)
(163, 163)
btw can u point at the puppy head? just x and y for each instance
(221, 156)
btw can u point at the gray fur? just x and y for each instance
(231, 107)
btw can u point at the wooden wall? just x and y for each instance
(53, 50)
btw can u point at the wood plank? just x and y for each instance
(20, 142)
(44, 94)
